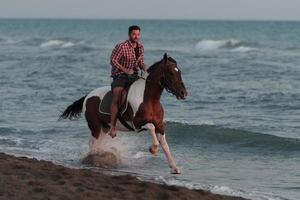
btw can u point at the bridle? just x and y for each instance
(163, 82)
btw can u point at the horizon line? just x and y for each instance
(150, 19)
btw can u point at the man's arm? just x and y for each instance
(142, 64)
(115, 57)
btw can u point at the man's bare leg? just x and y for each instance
(115, 105)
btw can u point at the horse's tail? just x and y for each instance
(74, 110)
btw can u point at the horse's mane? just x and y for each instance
(152, 67)
(172, 60)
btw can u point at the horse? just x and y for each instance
(142, 107)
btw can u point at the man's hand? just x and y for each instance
(145, 74)
(129, 71)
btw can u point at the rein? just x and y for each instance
(163, 85)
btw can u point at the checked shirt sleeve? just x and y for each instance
(116, 55)
(142, 64)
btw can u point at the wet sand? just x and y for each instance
(24, 178)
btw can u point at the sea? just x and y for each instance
(237, 133)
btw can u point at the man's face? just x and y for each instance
(134, 36)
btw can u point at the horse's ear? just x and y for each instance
(165, 57)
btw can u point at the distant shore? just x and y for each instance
(24, 178)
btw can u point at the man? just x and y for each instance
(126, 59)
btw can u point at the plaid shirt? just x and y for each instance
(123, 55)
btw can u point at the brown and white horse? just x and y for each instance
(144, 110)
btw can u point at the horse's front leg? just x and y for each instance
(154, 148)
(166, 149)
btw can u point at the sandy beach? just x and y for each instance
(24, 178)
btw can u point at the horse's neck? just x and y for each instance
(153, 88)
(142, 91)
(152, 92)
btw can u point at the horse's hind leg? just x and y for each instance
(95, 138)
(94, 122)
(96, 143)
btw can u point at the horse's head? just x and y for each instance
(171, 78)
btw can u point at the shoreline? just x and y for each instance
(29, 178)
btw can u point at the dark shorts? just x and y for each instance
(123, 80)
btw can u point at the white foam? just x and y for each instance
(8, 41)
(220, 189)
(52, 43)
(57, 43)
(204, 122)
(11, 41)
(67, 44)
(223, 190)
(205, 45)
(16, 140)
(242, 49)
(141, 154)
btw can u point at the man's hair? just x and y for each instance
(133, 27)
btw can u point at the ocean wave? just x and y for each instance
(242, 49)
(57, 43)
(15, 131)
(211, 134)
(7, 41)
(80, 46)
(231, 44)
(9, 141)
(217, 189)
(67, 44)
(34, 41)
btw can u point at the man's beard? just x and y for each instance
(134, 40)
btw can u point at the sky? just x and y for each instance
(153, 9)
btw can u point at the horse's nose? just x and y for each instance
(183, 91)
(183, 94)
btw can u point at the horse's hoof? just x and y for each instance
(106, 130)
(112, 134)
(154, 149)
(175, 170)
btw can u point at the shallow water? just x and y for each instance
(237, 133)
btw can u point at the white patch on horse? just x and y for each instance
(98, 92)
(176, 69)
(136, 94)
(135, 97)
